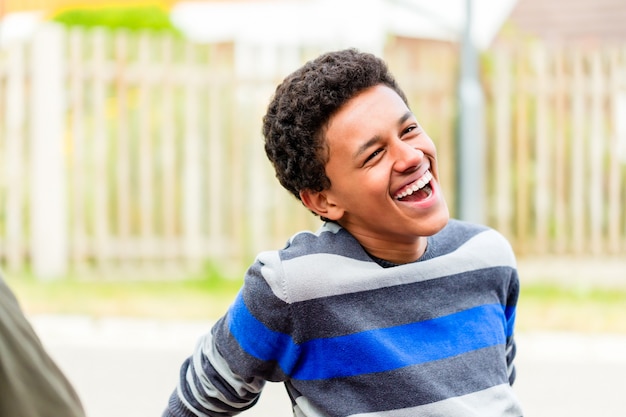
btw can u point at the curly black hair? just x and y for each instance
(301, 107)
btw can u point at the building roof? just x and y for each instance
(566, 21)
(361, 23)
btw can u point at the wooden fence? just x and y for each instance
(141, 155)
(557, 147)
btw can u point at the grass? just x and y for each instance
(542, 307)
(555, 307)
(188, 299)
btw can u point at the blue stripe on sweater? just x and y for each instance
(370, 351)
(510, 313)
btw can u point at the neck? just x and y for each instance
(394, 252)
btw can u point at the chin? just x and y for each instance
(437, 221)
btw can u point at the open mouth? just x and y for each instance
(419, 190)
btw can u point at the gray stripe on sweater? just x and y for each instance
(410, 386)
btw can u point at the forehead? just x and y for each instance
(371, 112)
(369, 97)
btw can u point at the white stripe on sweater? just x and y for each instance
(491, 402)
(310, 277)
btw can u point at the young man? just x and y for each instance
(389, 309)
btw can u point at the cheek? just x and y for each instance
(430, 148)
(361, 190)
(377, 181)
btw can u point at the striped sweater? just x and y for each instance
(351, 338)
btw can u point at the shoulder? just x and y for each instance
(329, 240)
(314, 264)
(459, 230)
(473, 240)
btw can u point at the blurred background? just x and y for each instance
(133, 181)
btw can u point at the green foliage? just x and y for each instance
(117, 17)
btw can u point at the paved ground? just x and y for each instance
(127, 368)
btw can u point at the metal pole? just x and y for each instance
(470, 198)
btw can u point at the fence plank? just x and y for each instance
(79, 155)
(578, 166)
(561, 153)
(168, 166)
(620, 121)
(146, 147)
(192, 184)
(594, 187)
(617, 88)
(522, 157)
(100, 137)
(543, 151)
(502, 97)
(217, 116)
(124, 139)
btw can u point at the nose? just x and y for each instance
(406, 156)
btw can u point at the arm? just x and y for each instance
(32, 384)
(245, 348)
(511, 308)
(209, 387)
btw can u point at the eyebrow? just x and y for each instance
(375, 139)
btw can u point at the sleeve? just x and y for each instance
(32, 384)
(248, 346)
(511, 309)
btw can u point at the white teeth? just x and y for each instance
(421, 183)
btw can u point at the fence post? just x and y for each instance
(48, 208)
(13, 162)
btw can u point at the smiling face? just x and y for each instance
(382, 168)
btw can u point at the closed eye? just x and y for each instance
(373, 155)
(410, 129)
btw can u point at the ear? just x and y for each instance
(319, 203)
